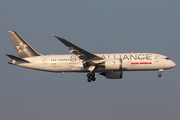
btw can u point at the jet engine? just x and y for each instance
(113, 64)
(112, 75)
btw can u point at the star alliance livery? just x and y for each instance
(109, 65)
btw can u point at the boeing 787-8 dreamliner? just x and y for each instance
(109, 65)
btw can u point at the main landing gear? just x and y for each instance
(160, 71)
(91, 77)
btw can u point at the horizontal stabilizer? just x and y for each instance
(17, 59)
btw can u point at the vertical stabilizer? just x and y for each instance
(23, 49)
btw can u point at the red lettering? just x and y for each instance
(134, 63)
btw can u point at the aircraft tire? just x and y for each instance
(93, 74)
(159, 75)
(93, 78)
(89, 79)
(88, 75)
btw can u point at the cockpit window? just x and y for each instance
(168, 59)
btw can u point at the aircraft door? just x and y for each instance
(156, 58)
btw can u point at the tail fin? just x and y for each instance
(23, 49)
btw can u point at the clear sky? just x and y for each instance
(98, 26)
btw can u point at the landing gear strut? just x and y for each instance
(91, 77)
(160, 71)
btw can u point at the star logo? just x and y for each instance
(21, 47)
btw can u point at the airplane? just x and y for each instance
(109, 65)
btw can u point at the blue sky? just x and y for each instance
(98, 26)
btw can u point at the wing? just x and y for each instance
(79, 52)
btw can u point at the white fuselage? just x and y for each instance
(71, 63)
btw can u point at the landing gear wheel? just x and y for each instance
(93, 78)
(88, 75)
(93, 74)
(89, 79)
(159, 75)
(160, 71)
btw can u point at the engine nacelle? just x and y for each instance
(112, 75)
(113, 64)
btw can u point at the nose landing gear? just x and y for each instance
(160, 71)
(159, 75)
(91, 77)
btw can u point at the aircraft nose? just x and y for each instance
(173, 64)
